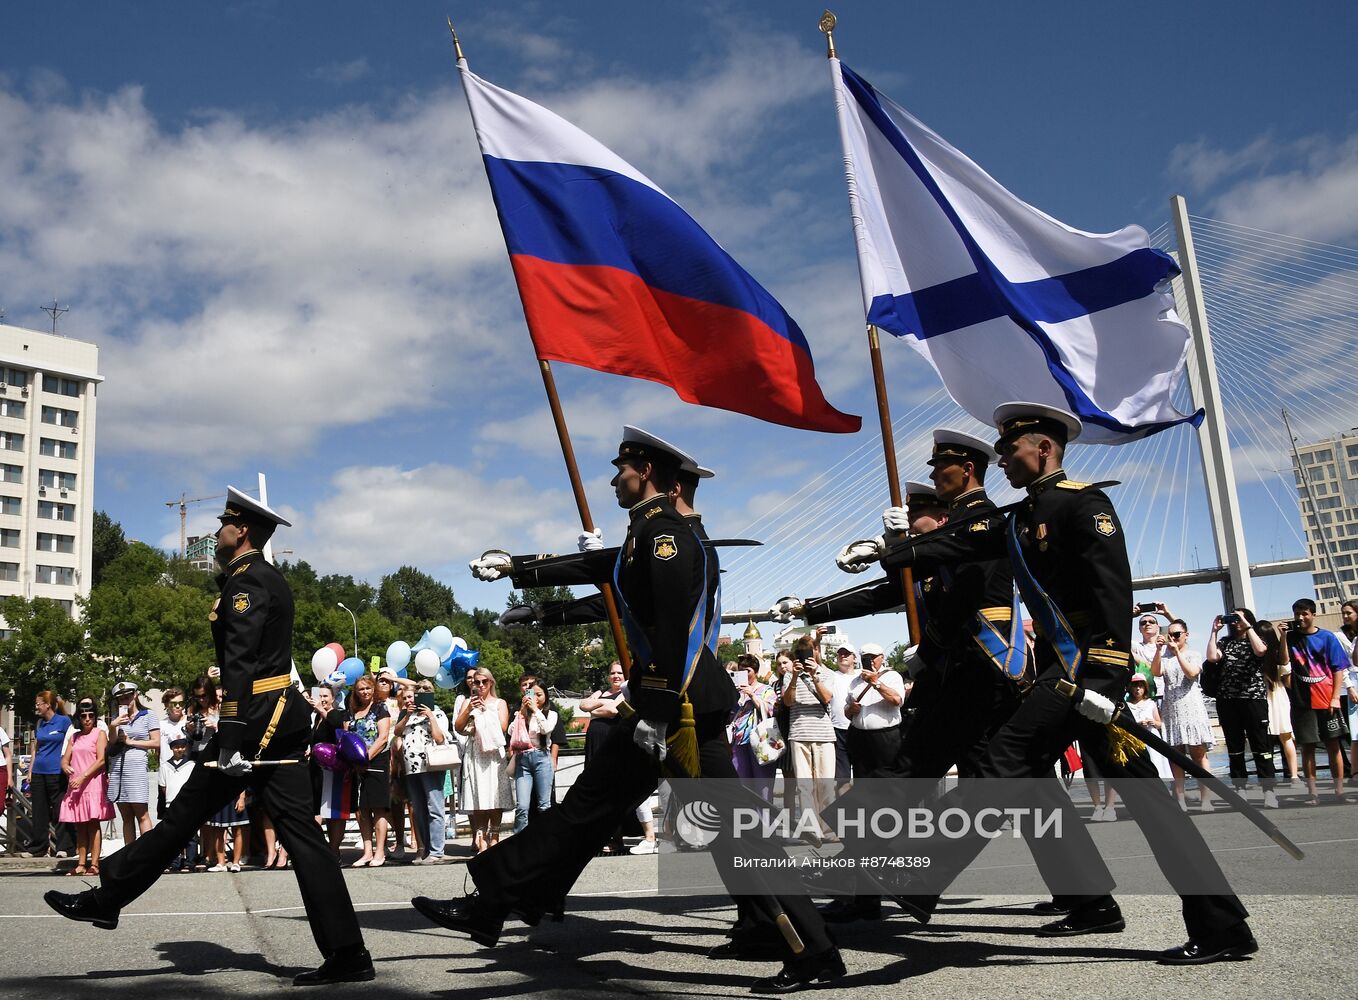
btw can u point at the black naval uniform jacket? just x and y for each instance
(1072, 542)
(252, 632)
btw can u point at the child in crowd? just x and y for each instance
(174, 773)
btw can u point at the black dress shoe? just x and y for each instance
(749, 948)
(82, 906)
(801, 972)
(1233, 946)
(351, 966)
(847, 909)
(1089, 920)
(472, 915)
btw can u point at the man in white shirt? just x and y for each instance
(873, 708)
(846, 659)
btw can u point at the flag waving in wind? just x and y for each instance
(616, 277)
(1003, 300)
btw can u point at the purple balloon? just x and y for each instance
(327, 756)
(352, 750)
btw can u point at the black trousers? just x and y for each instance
(959, 707)
(1028, 745)
(870, 750)
(45, 793)
(285, 794)
(1246, 719)
(538, 865)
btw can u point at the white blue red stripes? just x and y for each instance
(615, 276)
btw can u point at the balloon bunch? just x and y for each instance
(347, 751)
(439, 654)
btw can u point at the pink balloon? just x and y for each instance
(352, 750)
(327, 756)
(340, 654)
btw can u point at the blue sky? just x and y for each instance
(273, 220)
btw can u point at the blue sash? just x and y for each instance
(1048, 620)
(701, 632)
(1009, 652)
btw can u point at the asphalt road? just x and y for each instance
(205, 936)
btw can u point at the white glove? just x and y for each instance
(232, 764)
(858, 556)
(1095, 707)
(650, 736)
(787, 609)
(590, 541)
(895, 520)
(492, 565)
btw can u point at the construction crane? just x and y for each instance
(183, 504)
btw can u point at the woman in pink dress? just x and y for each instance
(86, 804)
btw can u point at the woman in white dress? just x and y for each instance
(1278, 673)
(1144, 711)
(486, 793)
(1187, 727)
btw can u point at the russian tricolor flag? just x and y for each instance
(615, 276)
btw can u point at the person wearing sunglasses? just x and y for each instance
(1183, 711)
(482, 716)
(86, 805)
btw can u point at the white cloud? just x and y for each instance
(364, 525)
(1306, 188)
(342, 72)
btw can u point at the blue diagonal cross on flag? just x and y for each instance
(1003, 300)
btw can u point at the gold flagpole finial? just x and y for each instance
(827, 27)
(457, 46)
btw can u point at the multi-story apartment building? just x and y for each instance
(1332, 468)
(48, 392)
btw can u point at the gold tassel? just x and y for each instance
(1122, 745)
(682, 745)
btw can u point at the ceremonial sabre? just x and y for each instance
(1252, 813)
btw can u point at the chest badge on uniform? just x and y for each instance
(664, 547)
(978, 526)
(1103, 524)
(240, 603)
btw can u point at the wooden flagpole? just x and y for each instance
(572, 470)
(893, 477)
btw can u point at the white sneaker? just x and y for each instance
(1097, 815)
(1271, 800)
(1108, 814)
(217, 868)
(1206, 806)
(233, 867)
(645, 847)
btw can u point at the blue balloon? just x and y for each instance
(353, 668)
(467, 658)
(444, 680)
(424, 643)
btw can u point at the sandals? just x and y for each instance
(1314, 800)
(91, 871)
(80, 870)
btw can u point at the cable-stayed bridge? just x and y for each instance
(1283, 320)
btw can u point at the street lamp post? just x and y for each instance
(340, 604)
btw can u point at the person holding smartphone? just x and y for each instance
(423, 724)
(1242, 698)
(530, 748)
(1319, 676)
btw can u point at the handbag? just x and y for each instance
(443, 756)
(766, 739)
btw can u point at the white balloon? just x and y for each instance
(398, 655)
(323, 661)
(427, 662)
(457, 643)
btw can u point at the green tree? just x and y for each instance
(410, 596)
(154, 633)
(106, 545)
(896, 658)
(138, 565)
(45, 650)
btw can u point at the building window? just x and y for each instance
(56, 415)
(56, 511)
(11, 442)
(5, 633)
(62, 576)
(1323, 455)
(64, 386)
(11, 505)
(11, 473)
(57, 480)
(54, 449)
(9, 538)
(14, 376)
(13, 408)
(48, 542)
(9, 571)
(67, 606)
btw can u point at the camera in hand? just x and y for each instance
(1230, 618)
(1146, 609)
(194, 726)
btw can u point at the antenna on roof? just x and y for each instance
(54, 311)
